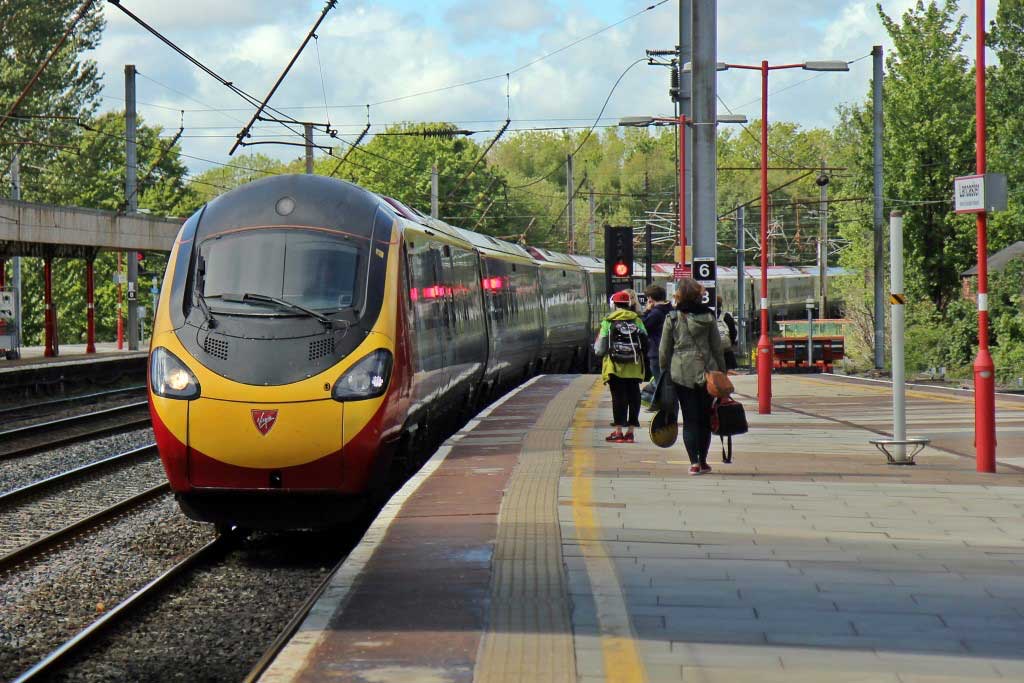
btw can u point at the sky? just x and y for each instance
(372, 51)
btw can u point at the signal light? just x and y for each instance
(621, 269)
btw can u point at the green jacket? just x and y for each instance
(610, 367)
(690, 346)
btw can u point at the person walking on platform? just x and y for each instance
(622, 344)
(654, 320)
(727, 330)
(690, 347)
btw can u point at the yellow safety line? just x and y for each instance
(622, 663)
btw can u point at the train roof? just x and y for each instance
(553, 257)
(493, 244)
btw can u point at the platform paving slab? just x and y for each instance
(537, 551)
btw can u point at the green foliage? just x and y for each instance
(220, 179)
(89, 172)
(929, 139)
(68, 87)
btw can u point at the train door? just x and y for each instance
(468, 341)
(429, 334)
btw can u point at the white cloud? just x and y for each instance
(478, 20)
(375, 51)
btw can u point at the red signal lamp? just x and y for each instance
(620, 269)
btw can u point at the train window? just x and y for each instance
(312, 269)
(447, 250)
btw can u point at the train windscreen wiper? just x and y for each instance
(280, 303)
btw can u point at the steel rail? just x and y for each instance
(14, 410)
(285, 636)
(37, 547)
(58, 656)
(36, 487)
(81, 421)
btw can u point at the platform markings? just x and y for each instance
(290, 662)
(622, 663)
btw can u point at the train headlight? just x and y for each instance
(170, 378)
(366, 379)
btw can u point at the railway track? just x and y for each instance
(45, 407)
(87, 636)
(52, 433)
(216, 598)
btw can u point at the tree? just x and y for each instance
(929, 123)
(68, 87)
(89, 172)
(220, 179)
(1005, 125)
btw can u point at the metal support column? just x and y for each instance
(90, 306)
(434, 211)
(823, 243)
(308, 134)
(49, 314)
(132, 197)
(16, 261)
(592, 225)
(570, 212)
(705, 221)
(741, 272)
(899, 386)
(686, 111)
(879, 251)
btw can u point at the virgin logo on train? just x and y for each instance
(264, 420)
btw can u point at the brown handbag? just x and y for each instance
(718, 383)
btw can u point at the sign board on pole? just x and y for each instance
(980, 193)
(680, 271)
(705, 272)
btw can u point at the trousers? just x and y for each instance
(625, 401)
(696, 406)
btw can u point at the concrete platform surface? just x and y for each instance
(32, 357)
(528, 549)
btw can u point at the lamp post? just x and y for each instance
(764, 345)
(681, 120)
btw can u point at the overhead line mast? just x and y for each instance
(244, 133)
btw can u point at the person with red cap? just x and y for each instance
(622, 345)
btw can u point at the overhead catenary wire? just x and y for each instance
(280, 79)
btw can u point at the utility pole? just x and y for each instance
(705, 221)
(132, 197)
(433, 192)
(570, 211)
(309, 147)
(686, 110)
(823, 242)
(592, 223)
(741, 271)
(648, 242)
(16, 261)
(876, 96)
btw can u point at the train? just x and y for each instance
(312, 337)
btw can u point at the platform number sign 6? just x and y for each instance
(704, 271)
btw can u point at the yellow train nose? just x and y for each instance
(265, 435)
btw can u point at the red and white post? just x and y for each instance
(984, 368)
(764, 343)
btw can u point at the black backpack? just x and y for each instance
(624, 342)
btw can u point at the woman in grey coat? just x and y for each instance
(690, 347)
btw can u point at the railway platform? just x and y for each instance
(73, 370)
(528, 549)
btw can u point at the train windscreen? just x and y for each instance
(317, 270)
